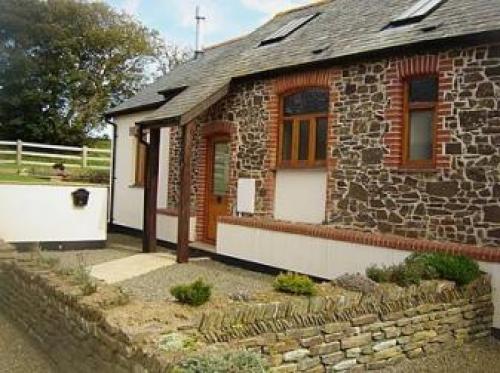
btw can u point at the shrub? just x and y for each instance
(378, 274)
(241, 361)
(194, 294)
(294, 283)
(81, 275)
(459, 269)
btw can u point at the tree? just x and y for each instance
(63, 63)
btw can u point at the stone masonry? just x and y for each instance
(458, 200)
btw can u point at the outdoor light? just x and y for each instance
(80, 197)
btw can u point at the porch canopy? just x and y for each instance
(181, 110)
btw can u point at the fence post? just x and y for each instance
(19, 153)
(85, 151)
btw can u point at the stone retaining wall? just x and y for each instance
(74, 333)
(319, 335)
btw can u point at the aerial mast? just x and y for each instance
(199, 47)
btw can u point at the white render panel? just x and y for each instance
(128, 200)
(166, 228)
(300, 196)
(45, 213)
(246, 195)
(317, 256)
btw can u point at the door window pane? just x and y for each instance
(287, 140)
(321, 135)
(221, 168)
(421, 135)
(423, 90)
(303, 140)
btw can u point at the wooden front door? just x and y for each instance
(219, 155)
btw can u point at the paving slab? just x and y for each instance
(132, 266)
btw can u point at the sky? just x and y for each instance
(226, 19)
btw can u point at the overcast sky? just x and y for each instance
(226, 19)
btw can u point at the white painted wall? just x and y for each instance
(300, 196)
(45, 213)
(317, 256)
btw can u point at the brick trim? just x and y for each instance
(400, 70)
(485, 254)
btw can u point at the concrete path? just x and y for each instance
(130, 267)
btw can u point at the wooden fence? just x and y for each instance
(27, 153)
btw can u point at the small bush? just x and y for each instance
(378, 274)
(82, 277)
(459, 269)
(242, 361)
(194, 294)
(294, 283)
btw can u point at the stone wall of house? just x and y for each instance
(318, 335)
(458, 201)
(368, 190)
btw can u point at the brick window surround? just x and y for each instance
(207, 131)
(400, 70)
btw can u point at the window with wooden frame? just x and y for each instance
(304, 128)
(420, 112)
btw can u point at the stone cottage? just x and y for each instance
(337, 135)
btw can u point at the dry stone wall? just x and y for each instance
(318, 335)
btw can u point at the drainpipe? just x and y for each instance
(113, 174)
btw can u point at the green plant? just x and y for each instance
(194, 294)
(49, 261)
(378, 274)
(81, 275)
(459, 269)
(294, 283)
(241, 361)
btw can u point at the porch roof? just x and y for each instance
(344, 29)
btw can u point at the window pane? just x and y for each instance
(287, 140)
(303, 140)
(221, 168)
(307, 101)
(321, 134)
(421, 135)
(423, 90)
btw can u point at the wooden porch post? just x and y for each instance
(151, 191)
(185, 194)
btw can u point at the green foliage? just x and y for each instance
(89, 176)
(81, 276)
(63, 63)
(241, 361)
(379, 274)
(194, 294)
(49, 261)
(459, 269)
(294, 283)
(427, 266)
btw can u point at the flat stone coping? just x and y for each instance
(130, 267)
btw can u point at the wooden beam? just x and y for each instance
(151, 191)
(185, 193)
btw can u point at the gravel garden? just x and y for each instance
(167, 308)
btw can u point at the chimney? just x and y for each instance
(199, 43)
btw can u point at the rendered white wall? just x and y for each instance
(300, 196)
(128, 201)
(318, 257)
(45, 213)
(167, 228)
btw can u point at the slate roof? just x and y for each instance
(344, 28)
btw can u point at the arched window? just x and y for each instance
(304, 128)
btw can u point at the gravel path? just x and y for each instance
(18, 354)
(225, 279)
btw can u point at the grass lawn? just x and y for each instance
(19, 178)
